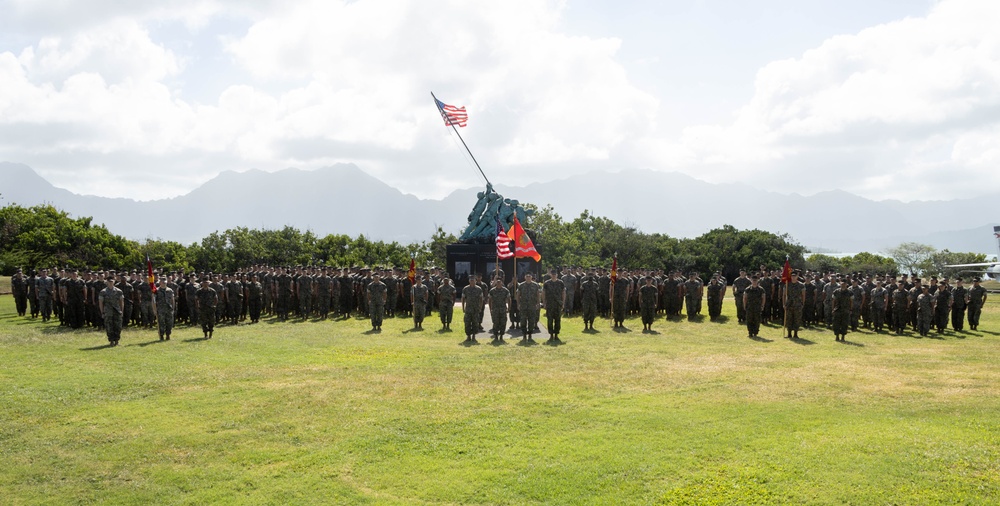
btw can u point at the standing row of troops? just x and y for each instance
(838, 301)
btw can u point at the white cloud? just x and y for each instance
(902, 93)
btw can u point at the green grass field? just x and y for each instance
(306, 413)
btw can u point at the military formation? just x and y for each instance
(842, 303)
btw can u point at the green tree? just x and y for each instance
(936, 262)
(910, 256)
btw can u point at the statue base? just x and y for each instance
(464, 260)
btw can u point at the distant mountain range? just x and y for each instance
(344, 199)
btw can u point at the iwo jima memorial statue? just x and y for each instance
(494, 235)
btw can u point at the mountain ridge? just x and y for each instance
(343, 198)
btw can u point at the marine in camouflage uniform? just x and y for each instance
(376, 298)
(925, 311)
(693, 289)
(857, 303)
(45, 290)
(304, 290)
(554, 293)
(959, 300)
(499, 297)
(19, 289)
(206, 300)
(588, 299)
(472, 303)
(419, 297)
(740, 284)
(570, 281)
(619, 299)
(795, 300)
(828, 289)
(648, 300)
(843, 299)
(716, 291)
(255, 298)
(191, 291)
(977, 299)
(879, 298)
(111, 303)
(753, 302)
(528, 303)
(942, 307)
(164, 303)
(446, 301)
(900, 308)
(603, 294)
(283, 294)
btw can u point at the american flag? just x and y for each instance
(503, 244)
(453, 116)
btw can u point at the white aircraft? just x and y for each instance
(990, 270)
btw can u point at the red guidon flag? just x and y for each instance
(523, 247)
(412, 273)
(786, 273)
(614, 269)
(149, 274)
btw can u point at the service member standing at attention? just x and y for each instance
(900, 308)
(795, 301)
(977, 299)
(740, 285)
(446, 301)
(554, 291)
(528, 303)
(206, 300)
(377, 293)
(754, 298)
(19, 289)
(925, 311)
(589, 287)
(693, 292)
(715, 295)
(418, 299)
(499, 298)
(163, 303)
(879, 299)
(648, 299)
(472, 303)
(111, 303)
(959, 300)
(843, 299)
(45, 290)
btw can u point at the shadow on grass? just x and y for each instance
(799, 340)
(621, 330)
(444, 331)
(651, 331)
(372, 331)
(591, 331)
(101, 347)
(554, 342)
(852, 343)
(760, 339)
(414, 329)
(498, 342)
(526, 342)
(147, 343)
(194, 340)
(720, 319)
(698, 318)
(470, 342)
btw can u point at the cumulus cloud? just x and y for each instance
(880, 112)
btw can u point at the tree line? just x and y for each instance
(45, 236)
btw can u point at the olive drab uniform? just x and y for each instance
(692, 297)
(420, 296)
(878, 298)
(648, 299)
(165, 304)
(740, 285)
(446, 303)
(528, 295)
(499, 297)
(925, 313)
(255, 300)
(588, 299)
(714, 292)
(554, 291)
(793, 304)
(900, 310)
(19, 289)
(977, 298)
(207, 301)
(112, 300)
(959, 296)
(376, 303)
(472, 300)
(753, 304)
(842, 301)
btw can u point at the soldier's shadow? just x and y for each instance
(555, 342)
(101, 347)
(651, 331)
(468, 343)
(372, 331)
(526, 342)
(852, 343)
(498, 342)
(445, 331)
(414, 329)
(721, 319)
(803, 342)
(194, 340)
(622, 330)
(761, 339)
(591, 331)
(147, 343)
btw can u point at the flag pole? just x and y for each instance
(452, 125)
(784, 299)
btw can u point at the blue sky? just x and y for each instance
(889, 99)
